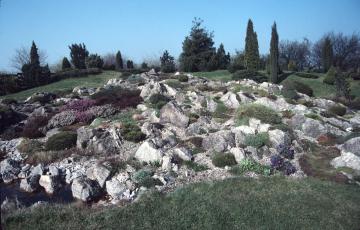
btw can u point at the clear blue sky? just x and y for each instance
(142, 29)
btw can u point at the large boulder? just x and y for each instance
(240, 134)
(182, 153)
(278, 137)
(313, 128)
(148, 152)
(115, 188)
(231, 100)
(42, 97)
(30, 184)
(62, 119)
(100, 140)
(153, 87)
(219, 141)
(352, 145)
(98, 172)
(347, 159)
(50, 183)
(85, 189)
(9, 169)
(238, 153)
(172, 113)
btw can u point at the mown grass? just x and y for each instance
(66, 85)
(321, 89)
(219, 75)
(239, 203)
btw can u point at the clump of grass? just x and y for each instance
(263, 113)
(223, 159)
(221, 110)
(132, 132)
(257, 140)
(195, 166)
(61, 141)
(248, 165)
(157, 101)
(313, 116)
(144, 178)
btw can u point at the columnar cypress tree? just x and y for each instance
(34, 56)
(130, 64)
(223, 59)
(65, 64)
(327, 54)
(252, 57)
(119, 61)
(342, 86)
(274, 55)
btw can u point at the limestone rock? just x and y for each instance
(172, 113)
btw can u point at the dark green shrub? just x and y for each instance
(33, 124)
(61, 141)
(250, 166)
(338, 110)
(94, 61)
(30, 146)
(257, 140)
(144, 178)
(263, 113)
(132, 132)
(330, 76)
(299, 87)
(72, 73)
(195, 166)
(249, 74)
(158, 101)
(118, 96)
(307, 75)
(8, 101)
(183, 78)
(223, 159)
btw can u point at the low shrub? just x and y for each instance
(61, 141)
(330, 76)
(183, 78)
(286, 151)
(223, 159)
(174, 83)
(338, 110)
(8, 101)
(144, 178)
(29, 146)
(158, 101)
(306, 75)
(299, 87)
(118, 96)
(84, 117)
(195, 166)
(313, 116)
(131, 132)
(257, 140)
(221, 110)
(261, 112)
(249, 74)
(32, 126)
(278, 163)
(248, 165)
(79, 105)
(73, 73)
(327, 139)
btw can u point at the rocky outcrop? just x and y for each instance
(99, 173)
(9, 169)
(30, 184)
(147, 152)
(347, 159)
(352, 145)
(172, 113)
(153, 87)
(50, 183)
(219, 141)
(85, 189)
(231, 100)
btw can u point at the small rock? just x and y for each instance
(147, 152)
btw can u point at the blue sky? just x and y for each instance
(143, 29)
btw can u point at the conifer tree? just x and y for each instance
(34, 56)
(65, 64)
(78, 54)
(274, 55)
(327, 54)
(223, 59)
(252, 57)
(119, 65)
(129, 64)
(167, 63)
(342, 86)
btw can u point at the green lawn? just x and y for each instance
(324, 90)
(67, 84)
(220, 75)
(239, 203)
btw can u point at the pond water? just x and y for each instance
(63, 195)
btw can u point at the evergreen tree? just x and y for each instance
(119, 65)
(198, 49)
(342, 86)
(34, 56)
(94, 61)
(65, 64)
(327, 54)
(167, 63)
(223, 59)
(78, 54)
(274, 55)
(129, 64)
(144, 65)
(34, 74)
(252, 57)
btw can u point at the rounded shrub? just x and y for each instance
(261, 112)
(223, 159)
(183, 78)
(330, 76)
(338, 110)
(61, 141)
(257, 140)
